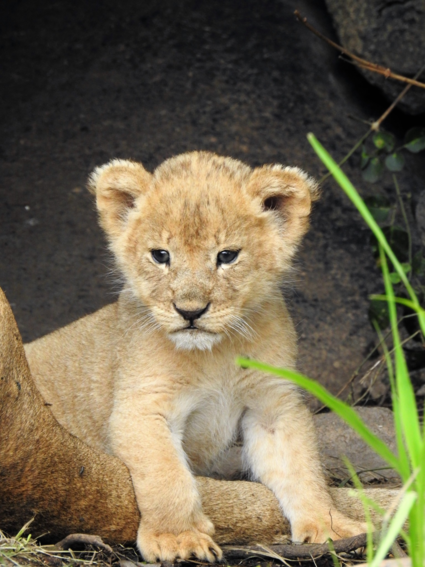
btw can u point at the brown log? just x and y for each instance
(68, 487)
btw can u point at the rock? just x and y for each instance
(336, 439)
(387, 33)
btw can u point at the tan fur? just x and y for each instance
(134, 381)
(65, 486)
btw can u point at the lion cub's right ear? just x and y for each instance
(117, 185)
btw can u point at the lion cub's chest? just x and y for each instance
(207, 421)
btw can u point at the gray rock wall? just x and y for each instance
(389, 33)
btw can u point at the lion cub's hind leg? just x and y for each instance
(280, 449)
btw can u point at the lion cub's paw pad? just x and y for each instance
(169, 547)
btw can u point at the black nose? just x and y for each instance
(191, 315)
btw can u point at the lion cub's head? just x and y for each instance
(204, 241)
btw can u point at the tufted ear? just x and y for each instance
(287, 193)
(117, 185)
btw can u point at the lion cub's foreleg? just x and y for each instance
(280, 450)
(173, 524)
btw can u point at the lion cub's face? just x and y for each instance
(203, 242)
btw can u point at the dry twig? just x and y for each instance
(298, 551)
(359, 61)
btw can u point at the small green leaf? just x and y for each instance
(414, 140)
(379, 207)
(378, 311)
(384, 141)
(395, 161)
(364, 158)
(395, 278)
(373, 171)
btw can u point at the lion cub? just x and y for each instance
(203, 245)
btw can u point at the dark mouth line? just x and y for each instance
(193, 328)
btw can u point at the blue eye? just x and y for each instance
(161, 256)
(227, 257)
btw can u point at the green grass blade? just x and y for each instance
(366, 508)
(417, 517)
(342, 409)
(394, 528)
(401, 449)
(24, 529)
(400, 301)
(353, 195)
(334, 556)
(405, 393)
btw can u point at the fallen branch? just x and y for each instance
(359, 61)
(298, 551)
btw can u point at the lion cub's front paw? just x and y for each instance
(335, 526)
(170, 547)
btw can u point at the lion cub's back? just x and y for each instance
(73, 368)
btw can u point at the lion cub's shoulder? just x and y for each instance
(87, 330)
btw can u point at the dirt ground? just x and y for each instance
(83, 82)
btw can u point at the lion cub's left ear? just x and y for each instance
(288, 193)
(117, 185)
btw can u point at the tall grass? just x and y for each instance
(408, 461)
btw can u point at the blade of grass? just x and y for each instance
(406, 396)
(400, 301)
(401, 449)
(419, 542)
(394, 528)
(342, 409)
(23, 529)
(366, 508)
